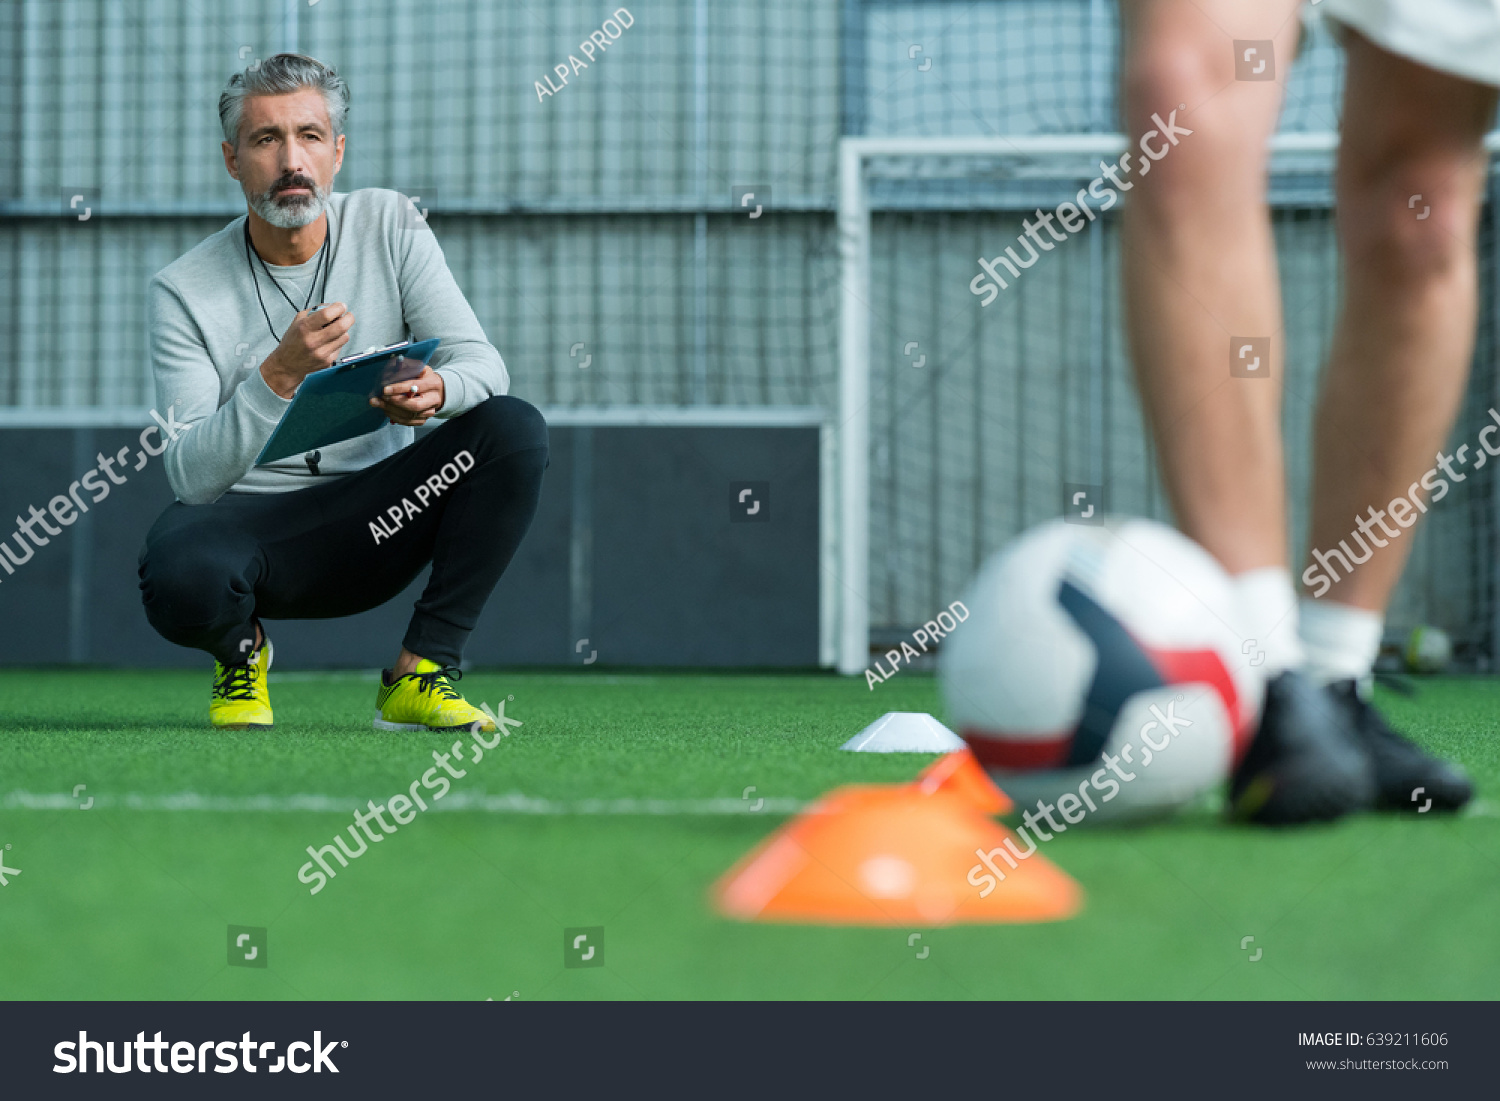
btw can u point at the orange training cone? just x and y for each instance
(894, 855)
(960, 774)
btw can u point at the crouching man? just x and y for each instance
(236, 324)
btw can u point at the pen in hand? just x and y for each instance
(311, 342)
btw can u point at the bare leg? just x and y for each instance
(1405, 335)
(1200, 268)
(1411, 169)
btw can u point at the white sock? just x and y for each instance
(1268, 609)
(1340, 640)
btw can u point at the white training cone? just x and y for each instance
(904, 732)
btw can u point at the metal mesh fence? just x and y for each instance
(598, 213)
(981, 416)
(598, 233)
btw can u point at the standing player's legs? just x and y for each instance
(1410, 182)
(1200, 270)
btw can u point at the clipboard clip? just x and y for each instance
(332, 405)
(371, 352)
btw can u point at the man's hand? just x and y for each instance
(412, 402)
(311, 342)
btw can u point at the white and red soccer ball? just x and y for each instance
(1105, 660)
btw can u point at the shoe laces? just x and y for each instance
(235, 682)
(435, 682)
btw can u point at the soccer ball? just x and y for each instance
(1428, 650)
(1102, 669)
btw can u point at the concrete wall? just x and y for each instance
(634, 549)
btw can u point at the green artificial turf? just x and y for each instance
(132, 899)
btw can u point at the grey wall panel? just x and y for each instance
(675, 580)
(111, 620)
(670, 581)
(34, 599)
(366, 641)
(526, 621)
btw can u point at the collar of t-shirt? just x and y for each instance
(294, 277)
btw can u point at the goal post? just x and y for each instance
(1301, 166)
(851, 575)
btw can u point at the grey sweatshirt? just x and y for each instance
(209, 337)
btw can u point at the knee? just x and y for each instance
(1408, 222)
(185, 581)
(1180, 68)
(510, 423)
(1170, 64)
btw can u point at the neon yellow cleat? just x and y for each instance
(241, 699)
(425, 700)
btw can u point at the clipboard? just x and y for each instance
(333, 404)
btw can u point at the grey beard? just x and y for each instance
(290, 214)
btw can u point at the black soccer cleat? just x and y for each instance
(1306, 764)
(1407, 777)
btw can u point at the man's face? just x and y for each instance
(286, 157)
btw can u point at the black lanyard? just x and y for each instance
(322, 250)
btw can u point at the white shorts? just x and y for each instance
(1460, 37)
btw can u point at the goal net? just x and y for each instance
(968, 412)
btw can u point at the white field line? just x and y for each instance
(512, 803)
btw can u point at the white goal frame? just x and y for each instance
(846, 604)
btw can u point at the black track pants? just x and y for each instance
(462, 498)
